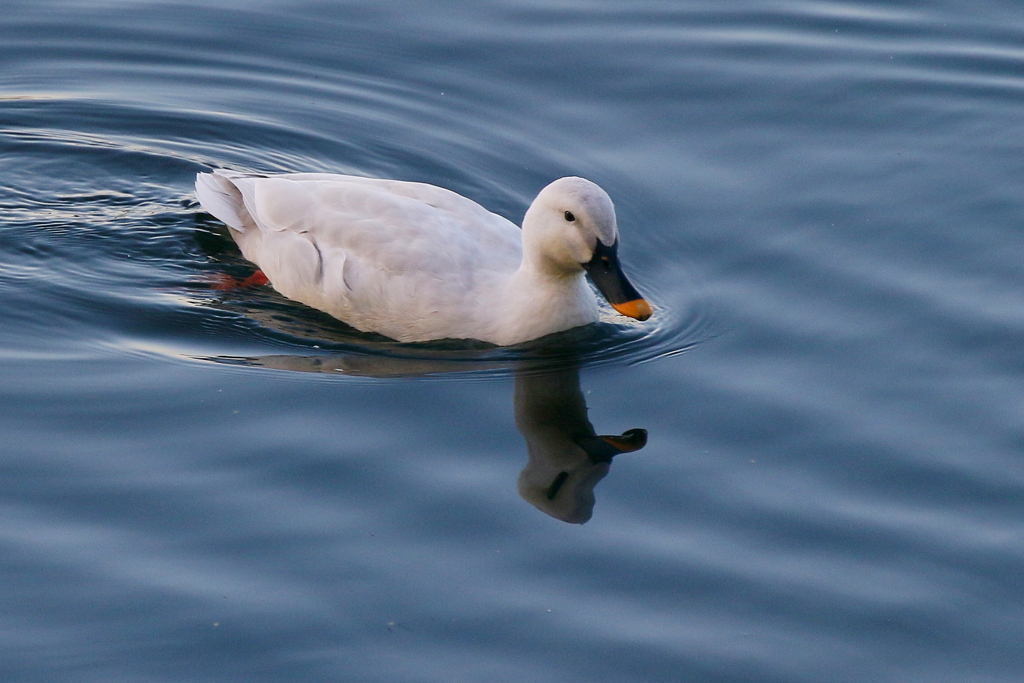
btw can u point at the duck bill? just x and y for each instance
(604, 448)
(631, 440)
(606, 274)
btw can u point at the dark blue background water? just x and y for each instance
(823, 200)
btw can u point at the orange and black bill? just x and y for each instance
(604, 448)
(606, 274)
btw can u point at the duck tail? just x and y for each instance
(219, 196)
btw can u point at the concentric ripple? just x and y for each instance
(104, 234)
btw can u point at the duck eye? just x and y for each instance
(569, 217)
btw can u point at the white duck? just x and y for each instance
(416, 262)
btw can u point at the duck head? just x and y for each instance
(570, 227)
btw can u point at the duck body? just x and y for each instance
(412, 261)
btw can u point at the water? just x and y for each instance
(821, 199)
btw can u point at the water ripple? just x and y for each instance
(99, 220)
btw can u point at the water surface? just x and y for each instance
(821, 199)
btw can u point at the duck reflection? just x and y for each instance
(567, 458)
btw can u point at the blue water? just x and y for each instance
(823, 201)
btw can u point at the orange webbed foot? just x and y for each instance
(224, 282)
